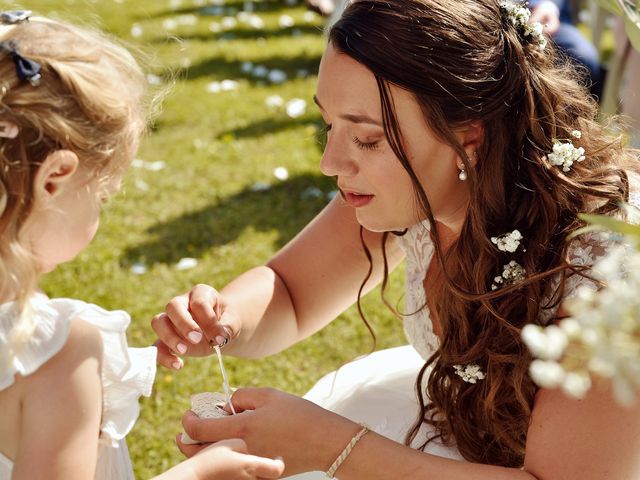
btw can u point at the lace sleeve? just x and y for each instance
(585, 251)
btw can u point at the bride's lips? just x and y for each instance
(356, 199)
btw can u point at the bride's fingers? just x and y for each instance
(166, 332)
(210, 430)
(179, 315)
(205, 307)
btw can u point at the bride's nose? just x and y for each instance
(336, 158)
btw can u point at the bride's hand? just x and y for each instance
(277, 424)
(192, 324)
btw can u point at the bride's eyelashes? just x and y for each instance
(365, 145)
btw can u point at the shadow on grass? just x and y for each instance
(220, 67)
(230, 8)
(284, 208)
(274, 125)
(242, 34)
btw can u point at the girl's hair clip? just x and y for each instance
(8, 129)
(27, 70)
(13, 17)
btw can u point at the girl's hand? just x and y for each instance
(225, 460)
(192, 324)
(276, 424)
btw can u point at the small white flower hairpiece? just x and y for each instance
(469, 373)
(508, 242)
(519, 18)
(512, 273)
(564, 153)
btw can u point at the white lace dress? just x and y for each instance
(126, 374)
(379, 390)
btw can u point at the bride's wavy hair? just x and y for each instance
(465, 62)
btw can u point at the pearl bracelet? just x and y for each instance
(347, 450)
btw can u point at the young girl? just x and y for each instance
(463, 144)
(71, 116)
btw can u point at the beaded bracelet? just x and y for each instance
(347, 450)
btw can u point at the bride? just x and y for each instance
(461, 142)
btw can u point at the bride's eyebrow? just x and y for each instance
(354, 118)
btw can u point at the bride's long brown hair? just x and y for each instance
(465, 62)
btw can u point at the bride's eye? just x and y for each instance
(365, 145)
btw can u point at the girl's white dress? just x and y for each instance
(379, 390)
(126, 374)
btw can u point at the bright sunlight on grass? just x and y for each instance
(204, 188)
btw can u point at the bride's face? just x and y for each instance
(357, 153)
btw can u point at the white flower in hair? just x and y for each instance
(564, 154)
(508, 242)
(519, 17)
(469, 373)
(512, 273)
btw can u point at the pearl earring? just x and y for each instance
(462, 175)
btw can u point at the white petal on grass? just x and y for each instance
(154, 79)
(260, 71)
(260, 187)
(169, 24)
(296, 107)
(186, 263)
(311, 193)
(151, 166)
(214, 27)
(141, 185)
(286, 21)
(138, 268)
(229, 22)
(256, 22)
(223, 86)
(281, 173)
(309, 17)
(136, 30)
(274, 101)
(277, 76)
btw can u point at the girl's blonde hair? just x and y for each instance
(90, 101)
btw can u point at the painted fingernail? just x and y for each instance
(181, 347)
(194, 336)
(177, 365)
(220, 340)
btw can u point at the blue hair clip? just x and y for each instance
(27, 70)
(14, 16)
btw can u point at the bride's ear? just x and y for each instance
(472, 140)
(54, 174)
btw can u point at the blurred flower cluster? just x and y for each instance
(601, 336)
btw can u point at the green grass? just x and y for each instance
(215, 147)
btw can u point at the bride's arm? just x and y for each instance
(314, 278)
(589, 439)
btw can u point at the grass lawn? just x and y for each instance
(193, 194)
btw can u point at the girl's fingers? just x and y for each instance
(266, 467)
(166, 357)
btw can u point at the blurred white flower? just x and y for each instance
(274, 101)
(601, 338)
(286, 21)
(277, 76)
